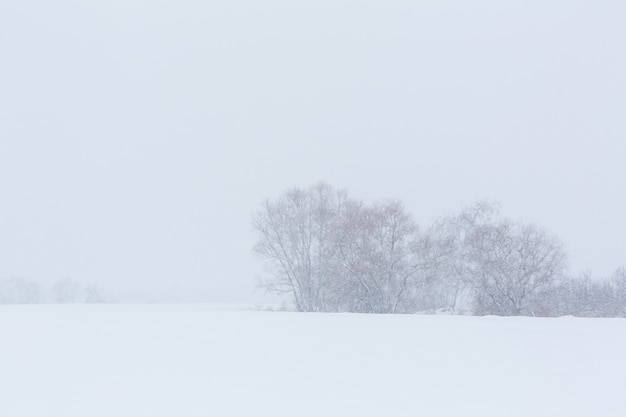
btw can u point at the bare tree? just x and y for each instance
(66, 291)
(448, 284)
(376, 246)
(331, 253)
(296, 239)
(92, 294)
(510, 264)
(436, 282)
(588, 296)
(618, 282)
(19, 291)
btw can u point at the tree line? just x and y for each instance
(331, 252)
(20, 290)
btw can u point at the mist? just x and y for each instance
(137, 137)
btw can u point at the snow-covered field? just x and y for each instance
(194, 360)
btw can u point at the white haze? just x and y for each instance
(136, 137)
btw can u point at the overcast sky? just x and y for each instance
(136, 136)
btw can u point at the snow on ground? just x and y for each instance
(194, 360)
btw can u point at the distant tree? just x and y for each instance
(66, 291)
(19, 291)
(92, 294)
(588, 296)
(618, 282)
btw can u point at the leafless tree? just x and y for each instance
(296, 238)
(448, 284)
(618, 282)
(376, 244)
(66, 291)
(93, 295)
(19, 291)
(588, 296)
(332, 253)
(510, 264)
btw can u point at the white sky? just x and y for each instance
(136, 137)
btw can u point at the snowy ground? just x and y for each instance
(193, 360)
